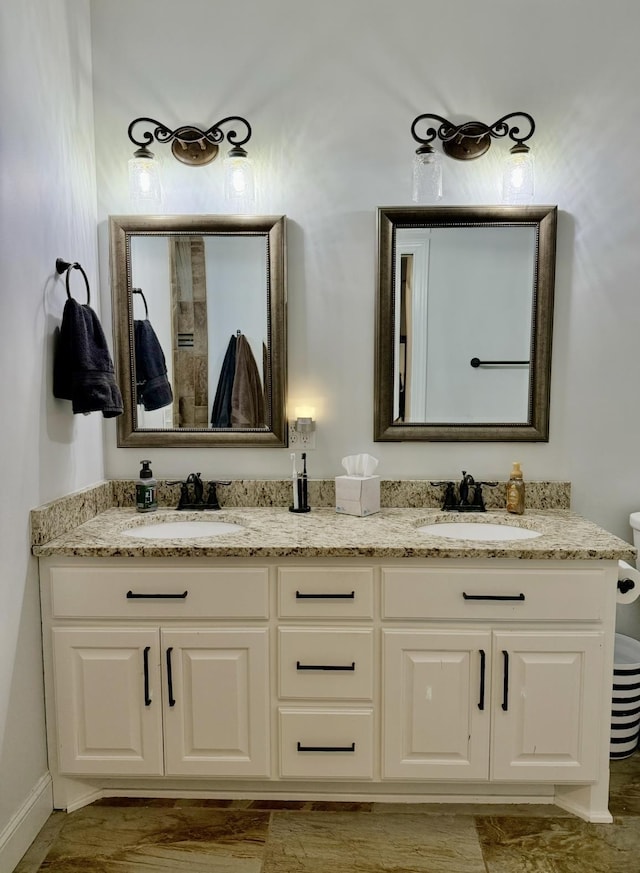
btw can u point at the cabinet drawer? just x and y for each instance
(325, 592)
(563, 595)
(159, 592)
(326, 743)
(327, 664)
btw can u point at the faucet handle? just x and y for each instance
(449, 501)
(212, 494)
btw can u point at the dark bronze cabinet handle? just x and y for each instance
(483, 664)
(505, 682)
(350, 748)
(145, 660)
(172, 700)
(132, 595)
(350, 596)
(519, 597)
(351, 667)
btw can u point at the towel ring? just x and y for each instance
(61, 266)
(144, 300)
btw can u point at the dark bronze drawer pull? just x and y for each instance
(505, 681)
(172, 700)
(350, 596)
(351, 667)
(350, 748)
(483, 663)
(493, 596)
(132, 595)
(145, 660)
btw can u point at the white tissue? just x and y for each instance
(626, 571)
(360, 465)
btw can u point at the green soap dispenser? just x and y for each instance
(146, 497)
(515, 490)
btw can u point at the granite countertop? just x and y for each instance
(390, 533)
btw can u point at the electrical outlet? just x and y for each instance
(301, 441)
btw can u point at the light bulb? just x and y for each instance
(427, 175)
(239, 187)
(518, 176)
(145, 187)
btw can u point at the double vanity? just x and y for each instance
(325, 656)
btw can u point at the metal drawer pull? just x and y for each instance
(492, 596)
(505, 684)
(483, 662)
(132, 595)
(350, 748)
(172, 700)
(350, 596)
(351, 667)
(145, 658)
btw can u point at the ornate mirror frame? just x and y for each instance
(536, 429)
(272, 227)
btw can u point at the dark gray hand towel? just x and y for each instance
(153, 387)
(221, 410)
(83, 371)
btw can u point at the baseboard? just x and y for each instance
(25, 825)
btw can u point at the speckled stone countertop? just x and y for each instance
(390, 533)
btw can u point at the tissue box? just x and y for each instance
(357, 495)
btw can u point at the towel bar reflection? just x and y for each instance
(67, 266)
(144, 300)
(476, 362)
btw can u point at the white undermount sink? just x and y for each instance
(478, 531)
(182, 530)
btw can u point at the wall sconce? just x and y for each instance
(467, 141)
(195, 147)
(303, 430)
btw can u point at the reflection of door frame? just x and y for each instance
(190, 338)
(416, 245)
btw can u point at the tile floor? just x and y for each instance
(122, 835)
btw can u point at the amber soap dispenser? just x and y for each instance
(515, 490)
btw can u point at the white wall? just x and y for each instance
(331, 90)
(47, 209)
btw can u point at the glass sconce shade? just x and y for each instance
(239, 183)
(427, 175)
(518, 176)
(145, 187)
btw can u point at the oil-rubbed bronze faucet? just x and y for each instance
(468, 500)
(192, 493)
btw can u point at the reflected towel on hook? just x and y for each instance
(152, 385)
(83, 371)
(221, 411)
(247, 398)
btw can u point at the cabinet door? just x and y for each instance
(216, 709)
(108, 701)
(547, 705)
(436, 714)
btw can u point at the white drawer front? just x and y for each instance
(95, 592)
(325, 592)
(326, 743)
(563, 595)
(326, 664)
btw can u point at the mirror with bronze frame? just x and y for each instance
(199, 313)
(464, 323)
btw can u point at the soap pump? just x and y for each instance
(146, 498)
(515, 490)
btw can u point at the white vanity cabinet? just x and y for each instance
(498, 675)
(341, 678)
(145, 679)
(326, 672)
